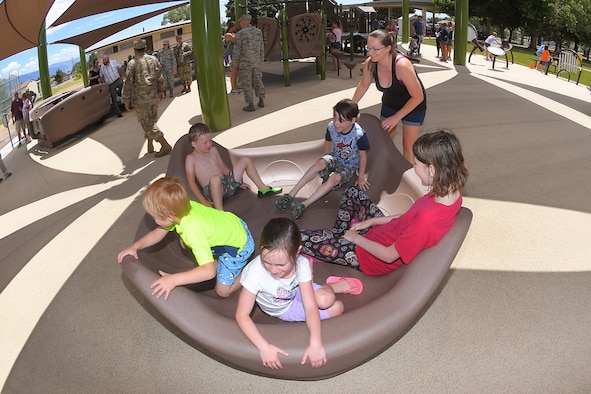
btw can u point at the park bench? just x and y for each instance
(569, 62)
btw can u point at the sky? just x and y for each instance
(27, 61)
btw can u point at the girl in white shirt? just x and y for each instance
(279, 280)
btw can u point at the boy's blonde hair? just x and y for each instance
(197, 130)
(167, 197)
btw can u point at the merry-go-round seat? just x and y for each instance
(387, 308)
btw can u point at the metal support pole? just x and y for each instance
(322, 59)
(240, 9)
(351, 36)
(209, 68)
(405, 22)
(83, 66)
(45, 79)
(461, 32)
(285, 46)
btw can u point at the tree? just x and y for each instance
(91, 58)
(445, 6)
(59, 76)
(178, 14)
(255, 10)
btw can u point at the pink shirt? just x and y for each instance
(422, 226)
(338, 33)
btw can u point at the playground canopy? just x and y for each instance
(22, 21)
(85, 40)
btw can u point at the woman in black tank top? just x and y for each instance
(403, 95)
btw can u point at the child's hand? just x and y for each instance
(316, 354)
(245, 186)
(350, 235)
(362, 225)
(127, 252)
(362, 183)
(164, 285)
(270, 357)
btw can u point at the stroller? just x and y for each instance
(413, 48)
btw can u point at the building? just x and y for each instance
(122, 50)
(31, 86)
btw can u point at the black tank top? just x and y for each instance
(397, 95)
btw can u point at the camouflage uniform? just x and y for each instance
(143, 75)
(168, 61)
(183, 61)
(247, 57)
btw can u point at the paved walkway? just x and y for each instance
(508, 318)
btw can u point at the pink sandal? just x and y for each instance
(356, 282)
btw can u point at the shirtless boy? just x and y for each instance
(216, 181)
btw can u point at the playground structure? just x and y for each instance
(301, 28)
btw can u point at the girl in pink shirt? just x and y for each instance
(378, 244)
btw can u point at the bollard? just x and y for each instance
(531, 65)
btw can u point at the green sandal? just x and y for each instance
(269, 191)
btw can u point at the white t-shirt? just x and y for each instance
(274, 296)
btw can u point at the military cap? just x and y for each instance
(139, 44)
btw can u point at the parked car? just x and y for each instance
(69, 112)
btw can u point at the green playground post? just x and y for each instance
(83, 66)
(405, 22)
(209, 67)
(285, 46)
(461, 32)
(45, 79)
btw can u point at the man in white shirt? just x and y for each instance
(111, 73)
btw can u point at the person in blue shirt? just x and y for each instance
(346, 146)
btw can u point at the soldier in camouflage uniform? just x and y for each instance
(144, 76)
(183, 53)
(168, 61)
(247, 57)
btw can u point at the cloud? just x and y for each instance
(32, 65)
(66, 53)
(10, 68)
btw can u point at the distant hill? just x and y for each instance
(64, 66)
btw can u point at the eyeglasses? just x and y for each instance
(373, 49)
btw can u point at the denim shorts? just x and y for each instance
(229, 266)
(415, 118)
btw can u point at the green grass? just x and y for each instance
(523, 56)
(68, 85)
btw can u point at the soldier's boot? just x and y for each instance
(188, 90)
(184, 90)
(150, 145)
(249, 108)
(165, 149)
